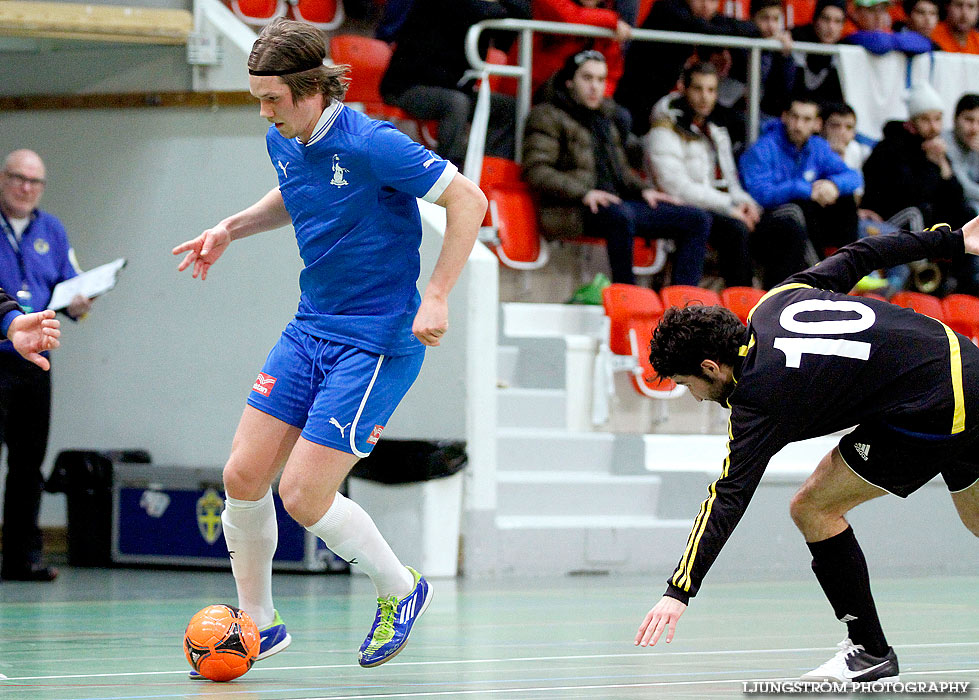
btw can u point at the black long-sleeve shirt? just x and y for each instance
(7, 304)
(816, 361)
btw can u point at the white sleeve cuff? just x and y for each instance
(448, 172)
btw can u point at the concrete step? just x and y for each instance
(520, 449)
(562, 493)
(530, 408)
(506, 364)
(589, 544)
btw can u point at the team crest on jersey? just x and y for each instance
(375, 435)
(41, 246)
(338, 171)
(263, 385)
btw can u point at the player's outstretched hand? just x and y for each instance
(971, 234)
(35, 333)
(664, 615)
(432, 320)
(203, 251)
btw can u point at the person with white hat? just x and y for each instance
(909, 167)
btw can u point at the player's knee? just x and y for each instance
(803, 510)
(242, 483)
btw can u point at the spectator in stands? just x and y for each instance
(963, 147)
(818, 74)
(922, 18)
(806, 190)
(652, 69)
(777, 68)
(428, 78)
(840, 131)
(573, 158)
(957, 33)
(690, 157)
(963, 154)
(552, 50)
(874, 31)
(910, 167)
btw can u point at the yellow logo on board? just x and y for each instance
(209, 515)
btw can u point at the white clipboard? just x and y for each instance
(89, 284)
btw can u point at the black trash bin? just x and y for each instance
(85, 477)
(408, 461)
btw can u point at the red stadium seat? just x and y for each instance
(512, 232)
(633, 312)
(325, 15)
(741, 300)
(259, 12)
(644, 7)
(683, 295)
(922, 303)
(498, 171)
(498, 83)
(368, 60)
(962, 314)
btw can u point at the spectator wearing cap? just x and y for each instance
(957, 34)
(910, 166)
(818, 74)
(874, 32)
(574, 160)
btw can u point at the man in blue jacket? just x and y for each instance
(34, 256)
(805, 188)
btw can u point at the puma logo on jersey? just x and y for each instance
(341, 428)
(848, 618)
(863, 450)
(428, 162)
(283, 168)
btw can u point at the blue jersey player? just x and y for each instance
(348, 185)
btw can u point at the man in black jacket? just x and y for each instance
(652, 69)
(813, 361)
(427, 74)
(909, 166)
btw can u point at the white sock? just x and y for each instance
(350, 533)
(252, 535)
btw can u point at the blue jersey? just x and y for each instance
(42, 259)
(351, 194)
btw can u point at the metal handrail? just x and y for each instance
(527, 27)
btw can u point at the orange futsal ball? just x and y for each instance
(221, 642)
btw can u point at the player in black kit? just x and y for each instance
(813, 361)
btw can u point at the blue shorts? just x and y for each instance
(341, 396)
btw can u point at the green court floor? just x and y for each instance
(116, 633)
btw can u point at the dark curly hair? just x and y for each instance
(689, 335)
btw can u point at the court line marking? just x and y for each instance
(519, 659)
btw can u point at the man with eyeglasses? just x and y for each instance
(34, 256)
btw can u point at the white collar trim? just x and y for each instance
(324, 123)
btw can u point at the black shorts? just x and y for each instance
(901, 464)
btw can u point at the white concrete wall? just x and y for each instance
(165, 362)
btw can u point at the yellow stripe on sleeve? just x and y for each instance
(681, 579)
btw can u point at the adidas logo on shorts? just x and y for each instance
(863, 450)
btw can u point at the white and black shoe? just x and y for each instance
(853, 664)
